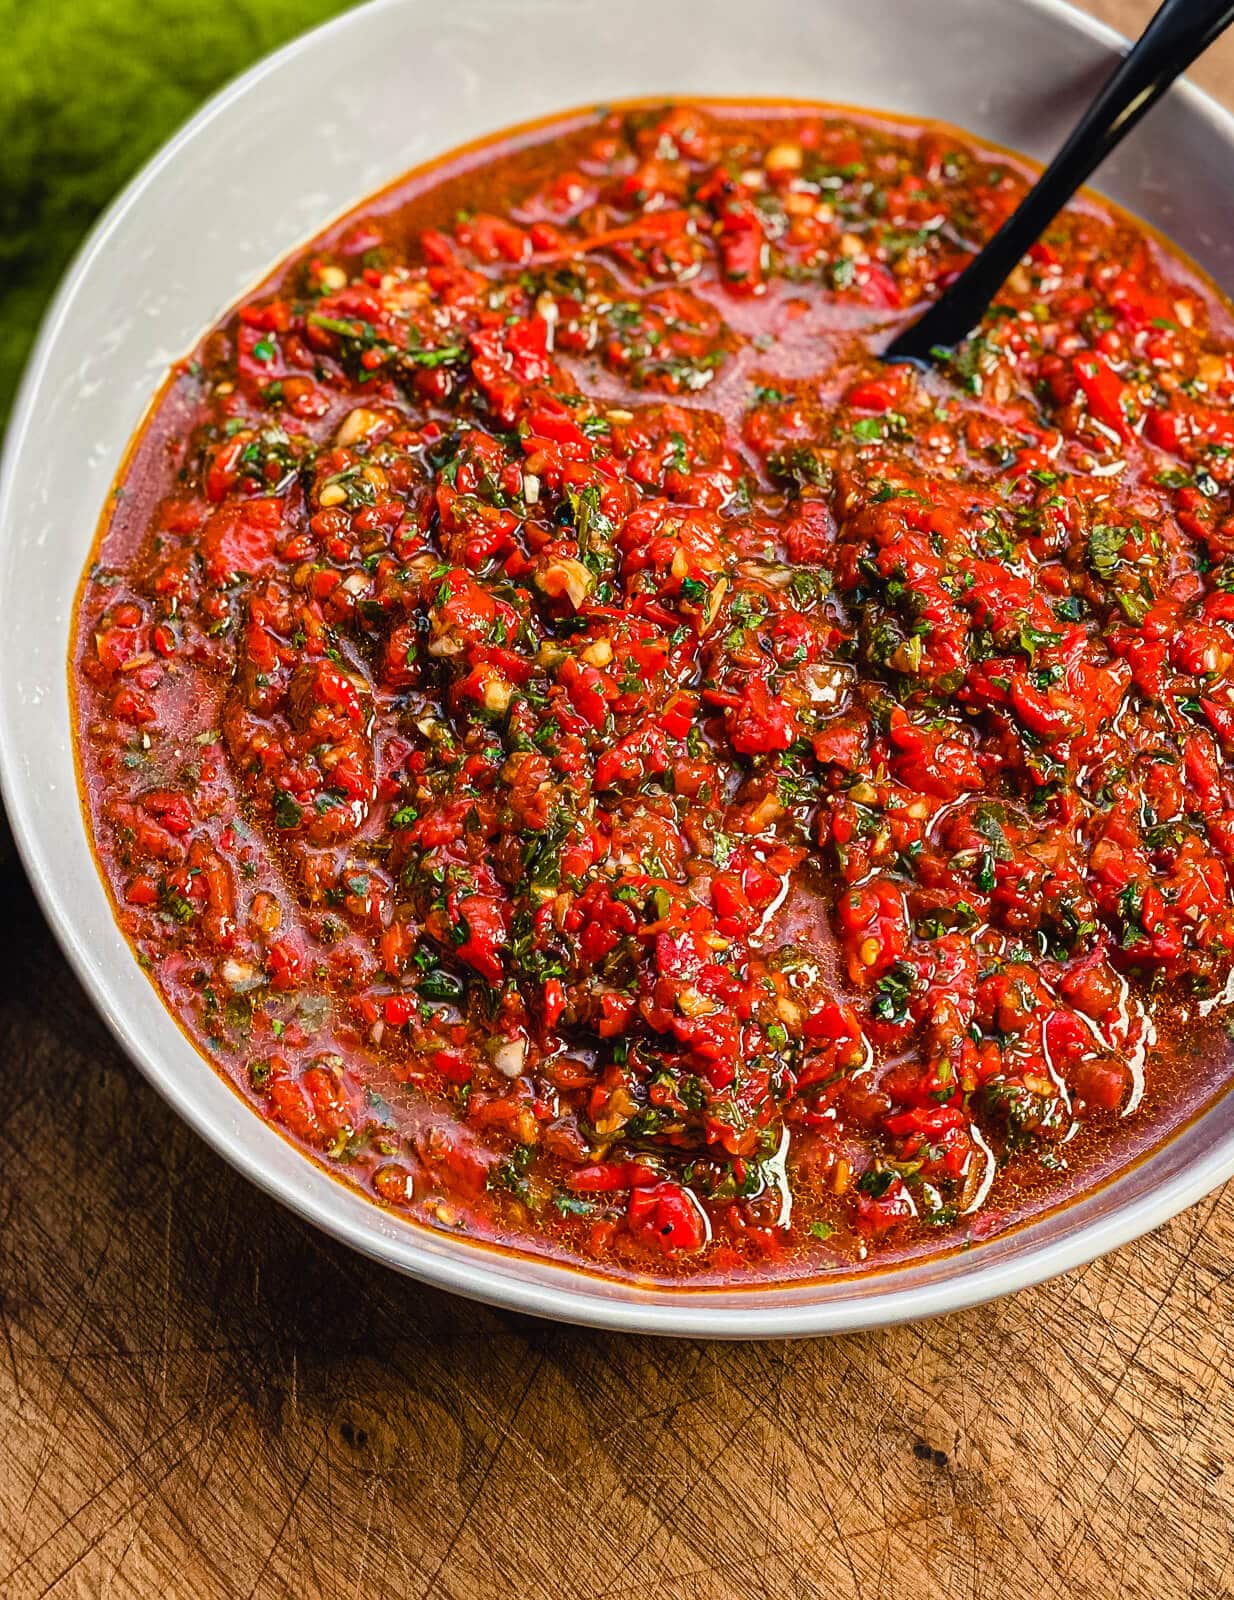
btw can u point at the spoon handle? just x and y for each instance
(1179, 31)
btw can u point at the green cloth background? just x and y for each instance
(88, 90)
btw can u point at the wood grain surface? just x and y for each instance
(200, 1397)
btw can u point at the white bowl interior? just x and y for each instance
(308, 134)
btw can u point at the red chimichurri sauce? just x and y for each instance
(612, 769)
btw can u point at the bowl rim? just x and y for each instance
(463, 1266)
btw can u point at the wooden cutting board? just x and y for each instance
(199, 1397)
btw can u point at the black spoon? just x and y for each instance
(1177, 34)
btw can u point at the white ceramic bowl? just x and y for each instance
(308, 133)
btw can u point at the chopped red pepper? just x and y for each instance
(612, 767)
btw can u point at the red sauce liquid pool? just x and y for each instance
(611, 769)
